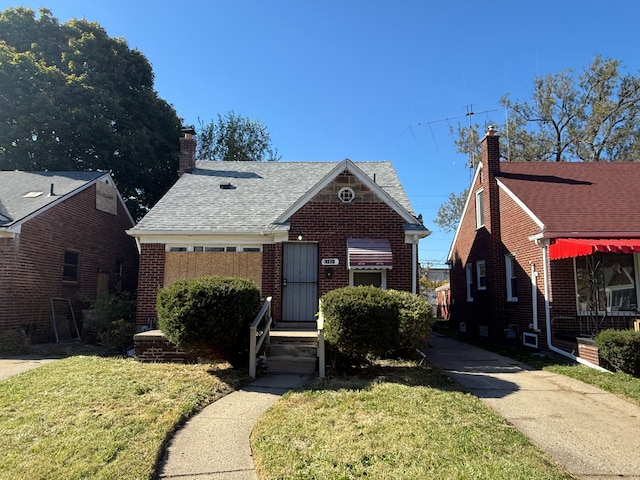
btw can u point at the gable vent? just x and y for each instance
(227, 186)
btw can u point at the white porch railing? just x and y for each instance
(258, 337)
(260, 330)
(321, 354)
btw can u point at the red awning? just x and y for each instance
(369, 253)
(576, 247)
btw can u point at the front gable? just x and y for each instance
(346, 184)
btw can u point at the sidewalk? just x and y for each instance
(214, 444)
(593, 434)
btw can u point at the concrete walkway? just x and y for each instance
(593, 434)
(214, 444)
(15, 365)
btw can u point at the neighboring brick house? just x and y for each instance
(546, 252)
(62, 240)
(297, 229)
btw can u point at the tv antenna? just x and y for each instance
(471, 134)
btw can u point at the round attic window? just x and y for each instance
(346, 195)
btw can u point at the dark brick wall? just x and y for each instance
(507, 231)
(31, 263)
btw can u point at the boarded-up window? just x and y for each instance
(179, 265)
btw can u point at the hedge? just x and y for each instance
(620, 349)
(365, 321)
(209, 316)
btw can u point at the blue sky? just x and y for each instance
(365, 80)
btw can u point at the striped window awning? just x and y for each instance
(369, 253)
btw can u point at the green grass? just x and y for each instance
(89, 417)
(621, 384)
(396, 421)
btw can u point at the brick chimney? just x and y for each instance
(494, 249)
(491, 151)
(187, 151)
(491, 168)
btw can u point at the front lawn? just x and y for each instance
(396, 421)
(89, 417)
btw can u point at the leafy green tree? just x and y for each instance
(235, 138)
(72, 98)
(450, 212)
(592, 117)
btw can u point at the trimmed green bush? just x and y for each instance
(113, 319)
(361, 321)
(416, 321)
(620, 349)
(209, 316)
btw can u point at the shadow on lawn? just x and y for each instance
(386, 371)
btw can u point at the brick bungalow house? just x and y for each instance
(547, 252)
(297, 229)
(62, 239)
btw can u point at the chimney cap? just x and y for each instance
(491, 130)
(188, 131)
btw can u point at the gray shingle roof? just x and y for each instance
(260, 192)
(14, 185)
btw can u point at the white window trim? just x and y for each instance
(479, 265)
(469, 280)
(480, 213)
(510, 273)
(383, 276)
(190, 248)
(346, 195)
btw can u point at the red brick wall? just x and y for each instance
(325, 220)
(154, 347)
(490, 307)
(151, 280)
(330, 224)
(31, 262)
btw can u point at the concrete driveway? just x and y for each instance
(592, 433)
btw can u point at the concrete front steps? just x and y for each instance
(293, 348)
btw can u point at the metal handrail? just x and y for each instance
(257, 339)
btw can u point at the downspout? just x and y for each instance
(544, 243)
(414, 262)
(534, 296)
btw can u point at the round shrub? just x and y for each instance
(416, 320)
(361, 321)
(209, 316)
(620, 349)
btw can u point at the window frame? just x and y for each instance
(75, 266)
(511, 276)
(480, 213)
(382, 272)
(481, 274)
(468, 268)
